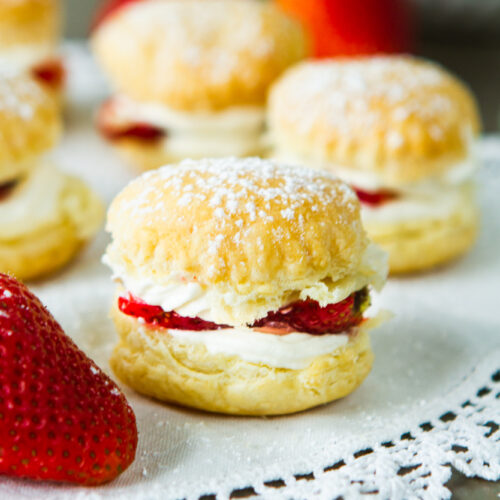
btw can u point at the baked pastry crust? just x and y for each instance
(29, 22)
(51, 246)
(159, 365)
(402, 118)
(422, 244)
(198, 56)
(30, 124)
(253, 230)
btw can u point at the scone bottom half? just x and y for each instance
(243, 286)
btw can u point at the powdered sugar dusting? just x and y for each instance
(363, 94)
(240, 192)
(17, 95)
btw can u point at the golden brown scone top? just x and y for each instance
(400, 117)
(29, 121)
(29, 22)
(244, 226)
(198, 55)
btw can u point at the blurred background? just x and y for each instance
(463, 35)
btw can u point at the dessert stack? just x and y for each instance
(45, 215)
(190, 79)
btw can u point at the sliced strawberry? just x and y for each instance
(61, 417)
(374, 198)
(113, 128)
(108, 8)
(155, 315)
(309, 317)
(302, 316)
(51, 72)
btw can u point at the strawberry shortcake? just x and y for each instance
(190, 78)
(45, 214)
(242, 286)
(402, 132)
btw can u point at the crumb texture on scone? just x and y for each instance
(404, 118)
(49, 247)
(29, 22)
(198, 57)
(154, 363)
(254, 230)
(29, 122)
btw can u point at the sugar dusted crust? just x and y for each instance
(154, 363)
(255, 231)
(29, 122)
(198, 56)
(401, 117)
(29, 22)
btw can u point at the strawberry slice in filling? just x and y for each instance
(306, 316)
(51, 72)
(113, 128)
(374, 198)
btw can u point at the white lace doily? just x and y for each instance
(431, 401)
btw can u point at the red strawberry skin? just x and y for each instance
(61, 417)
(107, 9)
(301, 316)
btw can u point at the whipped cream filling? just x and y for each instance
(185, 296)
(34, 202)
(21, 58)
(182, 295)
(293, 351)
(372, 181)
(406, 207)
(434, 198)
(234, 131)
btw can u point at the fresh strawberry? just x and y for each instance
(108, 8)
(355, 27)
(302, 316)
(61, 417)
(309, 317)
(155, 315)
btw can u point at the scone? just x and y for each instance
(45, 215)
(191, 78)
(242, 286)
(399, 130)
(29, 34)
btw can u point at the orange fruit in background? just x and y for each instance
(355, 27)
